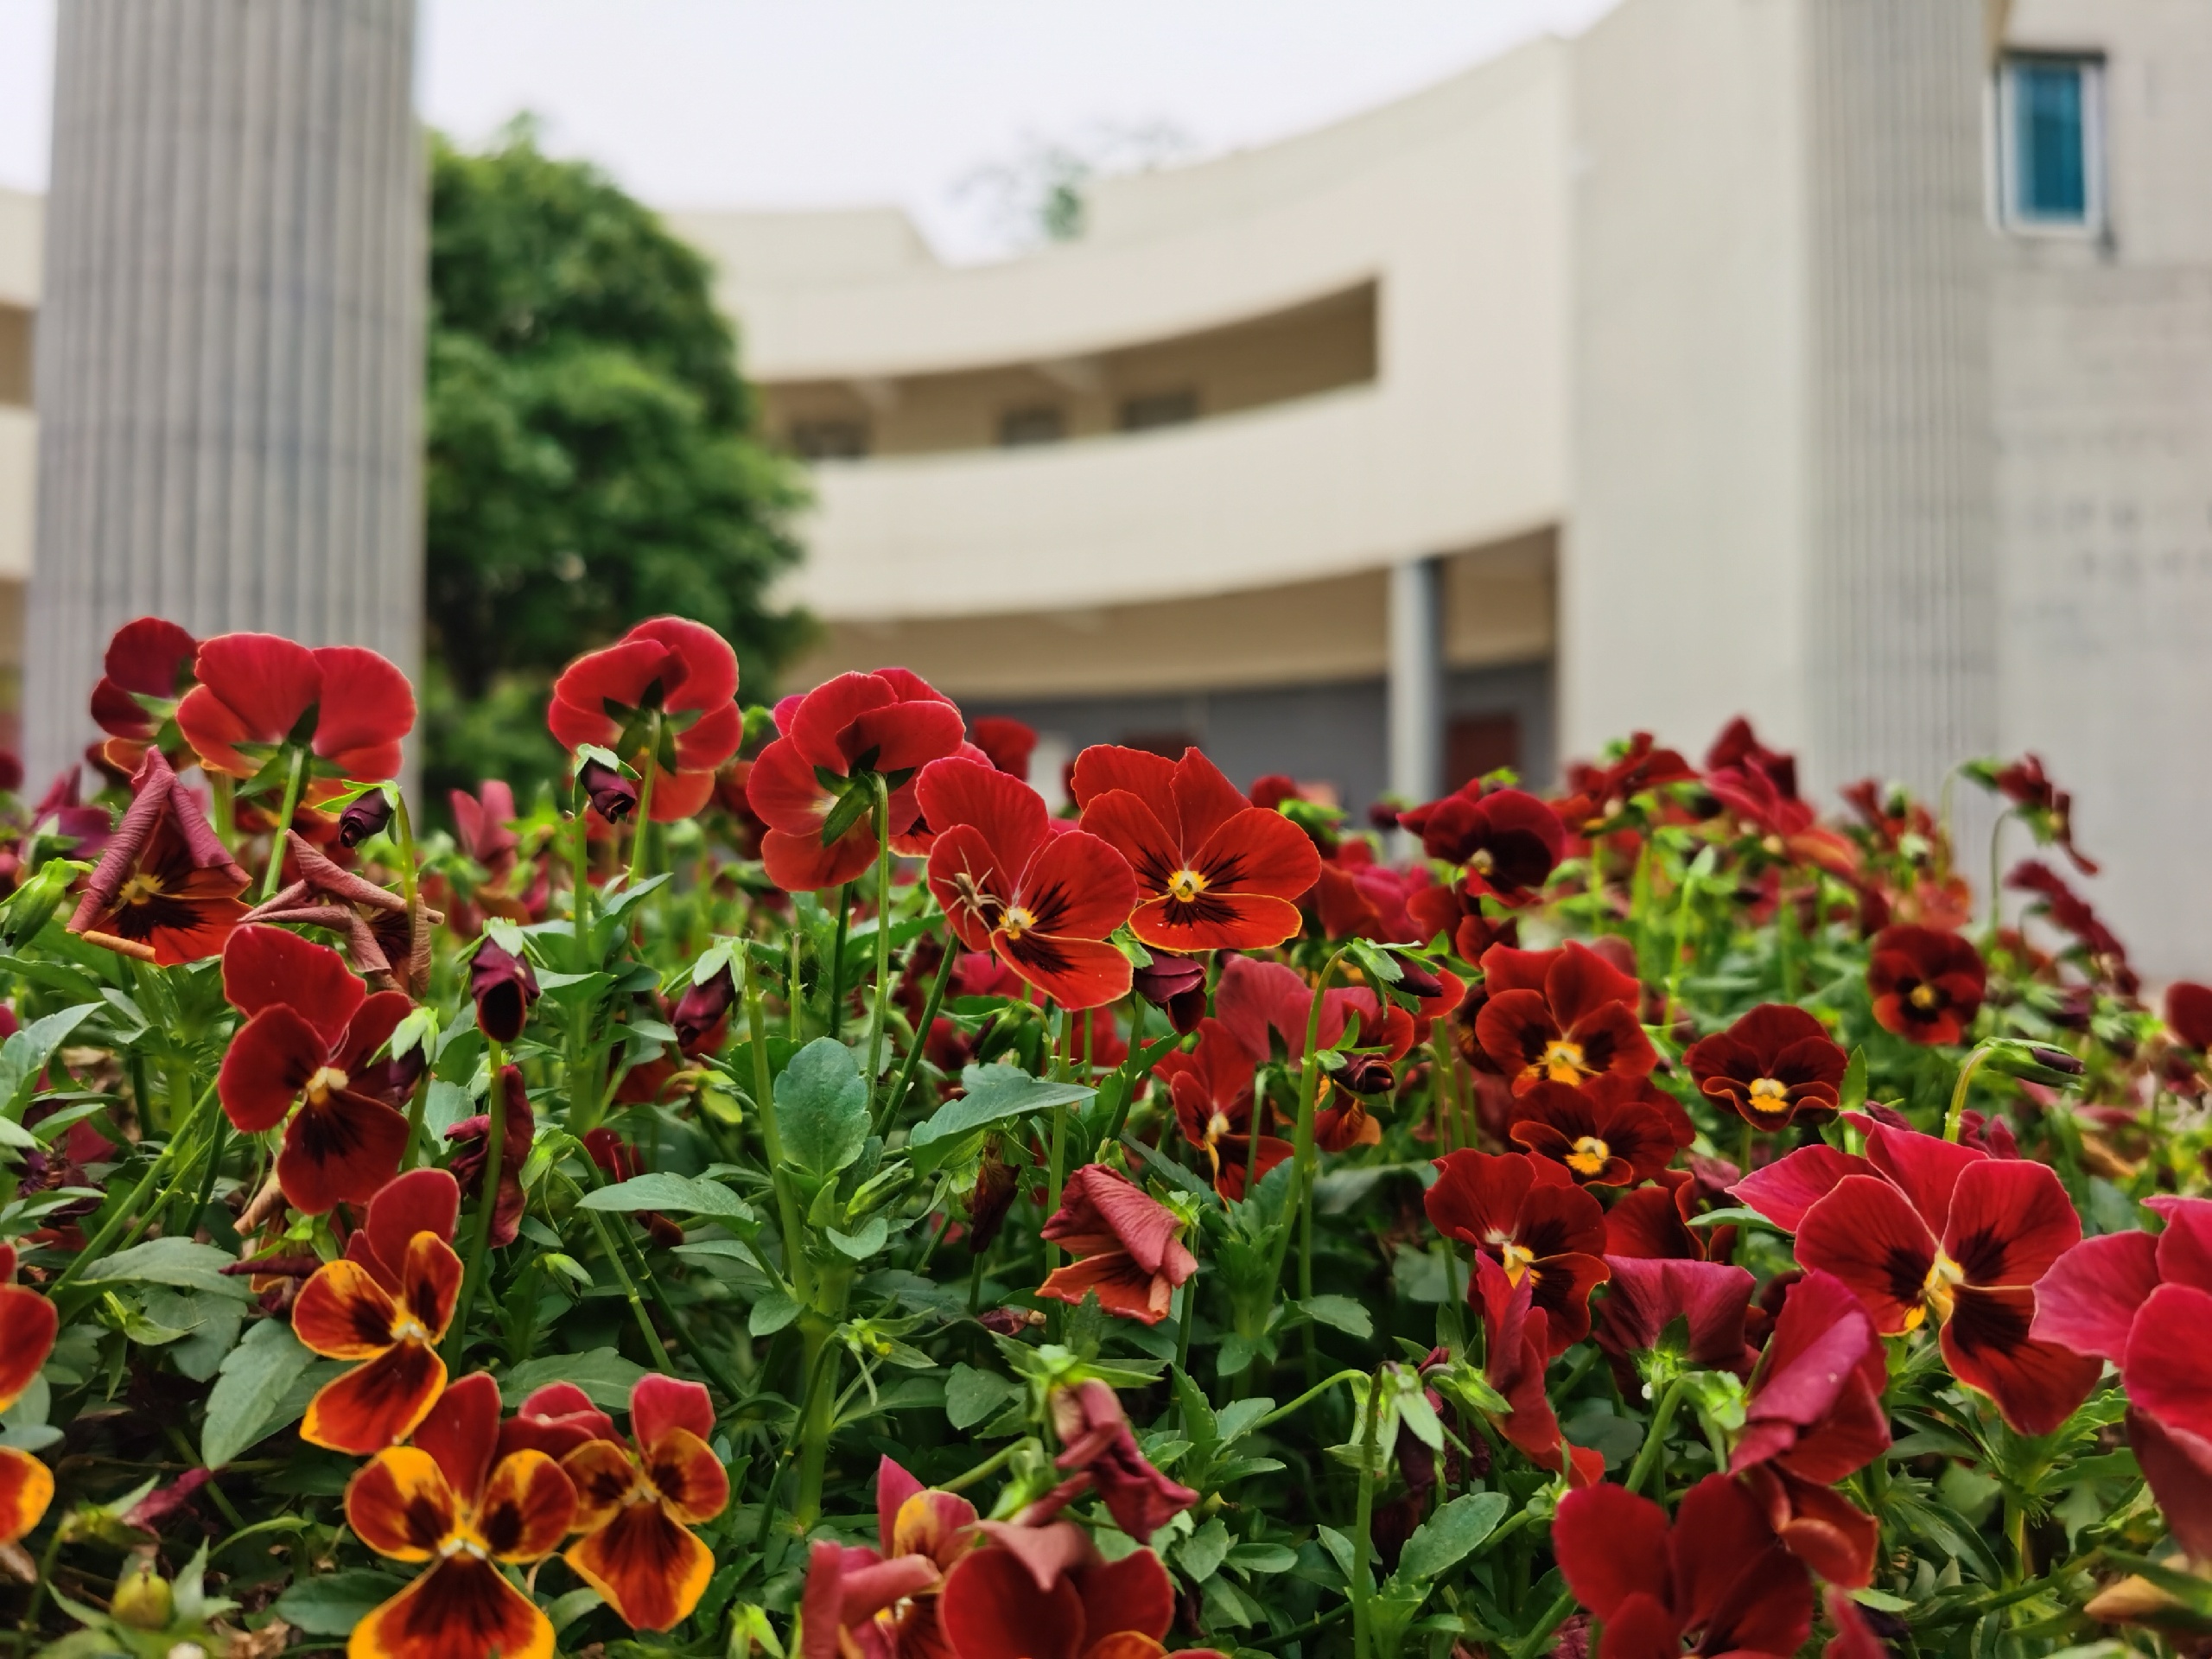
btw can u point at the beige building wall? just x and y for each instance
(22, 251)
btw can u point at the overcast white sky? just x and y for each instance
(828, 102)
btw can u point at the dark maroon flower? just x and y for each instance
(701, 1016)
(504, 986)
(1177, 984)
(1508, 841)
(366, 815)
(471, 1134)
(1096, 1434)
(614, 796)
(1737, 748)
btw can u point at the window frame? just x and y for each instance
(2004, 150)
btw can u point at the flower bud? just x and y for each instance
(701, 1011)
(1366, 1074)
(614, 796)
(504, 988)
(1177, 984)
(365, 816)
(143, 1600)
(1415, 980)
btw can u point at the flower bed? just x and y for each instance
(796, 1194)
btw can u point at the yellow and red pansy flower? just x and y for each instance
(387, 1305)
(1213, 871)
(1567, 1015)
(873, 1602)
(257, 690)
(637, 1504)
(311, 1030)
(1526, 1215)
(1043, 902)
(443, 1500)
(28, 1325)
(682, 671)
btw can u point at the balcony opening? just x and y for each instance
(1158, 409)
(1035, 423)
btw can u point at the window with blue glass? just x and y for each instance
(2050, 143)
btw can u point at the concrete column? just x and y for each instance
(230, 350)
(1417, 678)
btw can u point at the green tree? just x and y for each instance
(593, 456)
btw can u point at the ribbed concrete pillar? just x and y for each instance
(1902, 624)
(230, 347)
(1416, 683)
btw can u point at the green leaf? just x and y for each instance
(682, 1195)
(567, 1609)
(864, 1243)
(1447, 1537)
(971, 1395)
(210, 1325)
(1736, 1215)
(1263, 1557)
(178, 1261)
(1199, 1419)
(255, 1377)
(1340, 1313)
(1202, 1553)
(771, 1313)
(24, 1055)
(331, 1604)
(601, 1373)
(994, 1093)
(822, 1107)
(1850, 1094)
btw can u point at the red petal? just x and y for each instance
(706, 675)
(431, 1282)
(710, 739)
(1077, 974)
(2178, 1466)
(605, 1476)
(1126, 822)
(969, 883)
(2009, 1220)
(1132, 1595)
(1151, 778)
(598, 690)
(1008, 814)
(1822, 1346)
(1728, 1569)
(269, 1062)
(782, 788)
(1258, 852)
(903, 735)
(1640, 1628)
(2165, 1370)
(2185, 1247)
(1866, 1235)
(652, 1571)
(658, 1404)
(461, 1431)
(367, 708)
(527, 1509)
(262, 681)
(1124, 1289)
(1827, 1532)
(802, 864)
(681, 795)
(28, 1327)
(461, 1609)
(342, 1313)
(376, 1405)
(1786, 1188)
(1610, 1545)
(992, 1609)
(1924, 1167)
(340, 1152)
(148, 655)
(819, 720)
(1232, 921)
(1478, 1193)
(1205, 802)
(690, 1479)
(893, 1486)
(1077, 886)
(370, 1029)
(2036, 1385)
(25, 1490)
(401, 1504)
(266, 967)
(1581, 983)
(420, 1201)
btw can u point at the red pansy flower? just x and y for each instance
(1213, 871)
(258, 691)
(1739, 747)
(1042, 902)
(2104, 955)
(1654, 1222)
(1602, 1135)
(387, 1305)
(837, 739)
(1927, 985)
(1646, 1295)
(28, 1327)
(682, 672)
(480, 823)
(1517, 1346)
(1456, 912)
(311, 1032)
(1719, 1578)
(1527, 1217)
(1933, 1228)
(149, 669)
(445, 1501)
(1598, 795)
(2092, 1297)
(1126, 1247)
(1097, 1441)
(165, 890)
(1254, 998)
(635, 1505)
(555, 1419)
(1507, 843)
(880, 1602)
(1359, 898)
(1566, 1015)
(1775, 1065)
(1008, 742)
(1211, 1089)
(2169, 1415)
(2044, 807)
(1784, 827)
(1045, 1593)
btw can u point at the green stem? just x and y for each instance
(641, 838)
(606, 1245)
(1311, 1394)
(818, 1410)
(208, 1178)
(1996, 865)
(983, 1470)
(1363, 1587)
(837, 959)
(417, 1134)
(104, 1241)
(882, 942)
(1127, 1075)
(771, 1142)
(47, 1559)
(1955, 1118)
(1655, 1440)
(487, 1201)
(897, 1097)
(273, 876)
(1540, 1632)
(223, 789)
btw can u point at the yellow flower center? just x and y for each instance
(1186, 884)
(1482, 864)
(1518, 1260)
(326, 1081)
(1016, 922)
(1589, 1155)
(138, 890)
(1939, 1293)
(1563, 1061)
(1921, 996)
(1216, 1126)
(408, 1329)
(1769, 1095)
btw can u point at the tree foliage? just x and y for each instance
(592, 456)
